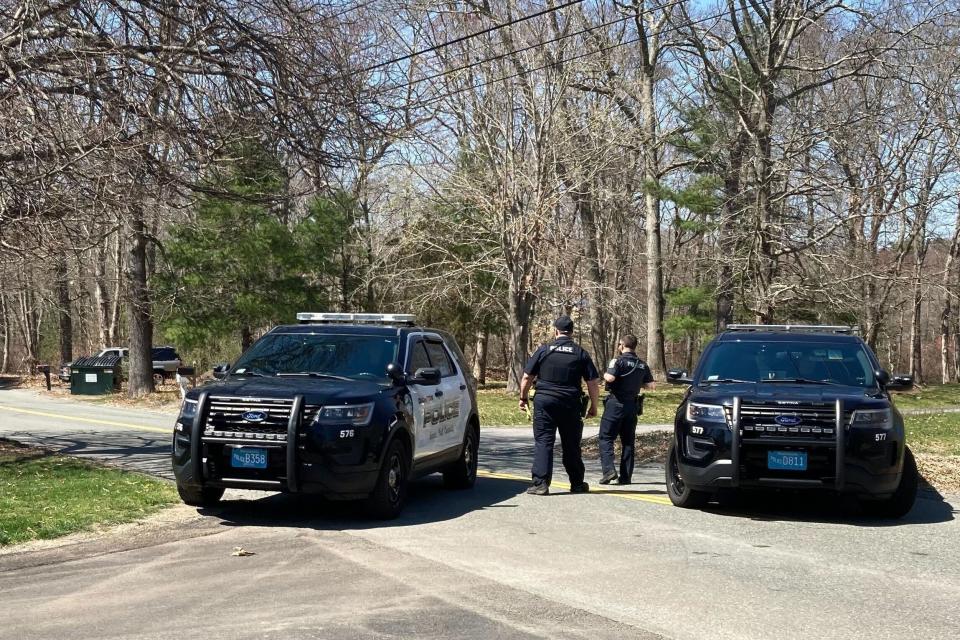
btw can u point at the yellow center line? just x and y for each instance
(653, 499)
(110, 423)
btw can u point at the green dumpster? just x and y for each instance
(95, 376)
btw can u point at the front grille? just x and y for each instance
(225, 418)
(817, 421)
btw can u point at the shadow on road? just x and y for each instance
(931, 508)
(143, 453)
(9, 382)
(427, 502)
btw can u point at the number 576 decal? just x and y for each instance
(346, 433)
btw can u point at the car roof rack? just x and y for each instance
(357, 318)
(795, 328)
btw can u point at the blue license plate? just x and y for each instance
(787, 460)
(248, 458)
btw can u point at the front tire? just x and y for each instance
(199, 496)
(390, 493)
(901, 502)
(680, 494)
(462, 474)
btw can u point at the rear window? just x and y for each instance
(165, 353)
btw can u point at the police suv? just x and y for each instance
(791, 407)
(349, 406)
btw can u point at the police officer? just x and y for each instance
(625, 376)
(558, 369)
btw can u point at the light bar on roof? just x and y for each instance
(798, 328)
(357, 318)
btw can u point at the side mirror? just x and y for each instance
(426, 375)
(220, 370)
(395, 372)
(900, 382)
(883, 378)
(678, 376)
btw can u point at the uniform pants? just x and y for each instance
(619, 420)
(549, 416)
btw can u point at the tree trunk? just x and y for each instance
(916, 351)
(599, 338)
(140, 324)
(480, 357)
(246, 338)
(655, 303)
(946, 315)
(102, 298)
(5, 317)
(64, 308)
(521, 301)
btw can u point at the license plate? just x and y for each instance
(248, 458)
(787, 460)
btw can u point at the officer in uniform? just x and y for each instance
(625, 376)
(558, 369)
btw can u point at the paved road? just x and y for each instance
(488, 563)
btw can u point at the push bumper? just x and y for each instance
(200, 461)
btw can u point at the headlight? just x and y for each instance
(189, 409)
(358, 415)
(873, 418)
(705, 413)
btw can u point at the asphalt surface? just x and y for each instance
(491, 562)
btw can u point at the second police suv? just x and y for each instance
(349, 406)
(791, 407)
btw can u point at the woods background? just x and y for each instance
(193, 173)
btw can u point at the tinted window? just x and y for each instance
(841, 362)
(164, 353)
(418, 357)
(351, 356)
(440, 359)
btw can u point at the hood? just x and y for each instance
(771, 392)
(314, 390)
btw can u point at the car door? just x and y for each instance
(426, 406)
(451, 394)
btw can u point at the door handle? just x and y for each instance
(437, 393)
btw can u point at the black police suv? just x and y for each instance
(791, 407)
(350, 406)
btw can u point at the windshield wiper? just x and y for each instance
(727, 380)
(248, 372)
(800, 381)
(313, 374)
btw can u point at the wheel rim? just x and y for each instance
(395, 478)
(470, 457)
(676, 481)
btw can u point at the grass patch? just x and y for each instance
(929, 397)
(936, 434)
(499, 408)
(43, 495)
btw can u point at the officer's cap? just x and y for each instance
(564, 324)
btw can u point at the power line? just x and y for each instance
(564, 60)
(535, 45)
(468, 36)
(340, 14)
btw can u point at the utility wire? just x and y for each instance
(564, 60)
(535, 45)
(468, 36)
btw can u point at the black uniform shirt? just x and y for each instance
(559, 367)
(632, 373)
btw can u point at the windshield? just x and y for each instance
(844, 363)
(327, 355)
